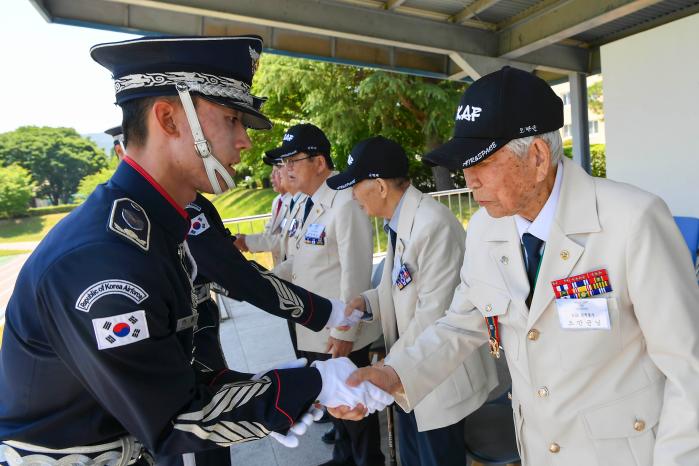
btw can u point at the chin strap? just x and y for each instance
(211, 163)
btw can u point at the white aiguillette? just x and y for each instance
(583, 314)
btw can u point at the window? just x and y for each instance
(593, 126)
(566, 131)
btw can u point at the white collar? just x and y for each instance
(393, 223)
(541, 226)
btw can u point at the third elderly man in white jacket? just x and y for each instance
(421, 271)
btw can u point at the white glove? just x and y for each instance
(338, 318)
(335, 392)
(301, 362)
(290, 440)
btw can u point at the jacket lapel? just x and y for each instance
(411, 201)
(506, 253)
(325, 201)
(576, 213)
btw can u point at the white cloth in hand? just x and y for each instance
(336, 392)
(337, 315)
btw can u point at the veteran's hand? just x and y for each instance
(240, 243)
(348, 414)
(339, 348)
(384, 377)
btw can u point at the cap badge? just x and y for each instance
(288, 137)
(350, 160)
(468, 113)
(255, 59)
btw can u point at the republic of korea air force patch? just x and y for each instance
(129, 220)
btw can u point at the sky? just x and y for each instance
(47, 77)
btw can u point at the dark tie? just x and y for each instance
(291, 204)
(532, 246)
(307, 209)
(393, 240)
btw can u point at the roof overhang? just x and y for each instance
(423, 37)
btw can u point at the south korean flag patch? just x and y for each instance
(199, 225)
(120, 330)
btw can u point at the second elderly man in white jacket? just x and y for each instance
(421, 271)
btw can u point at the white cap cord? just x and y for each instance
(211, 163)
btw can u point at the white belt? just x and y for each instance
(203, 292)
(122, 452)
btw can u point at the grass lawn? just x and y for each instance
(27, 228)
(240, 202)
(13, 252)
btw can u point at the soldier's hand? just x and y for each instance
(339, 348)
(384, 377)
(299, 428)
(240, 242)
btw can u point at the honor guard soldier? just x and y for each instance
(421, 270)
(584, 282)
(95, 366)
(333, 258)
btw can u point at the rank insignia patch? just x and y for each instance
(404, 277)
(129, 220)
(120, 330)
(582, 286)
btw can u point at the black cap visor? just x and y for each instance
(459, 153)
(252, 117)
(344, 180)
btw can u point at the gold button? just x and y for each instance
(293, 276)
(488, 308)
(565, 254)
(639, 425)
(509, 395)
(504, 260)
(533, 334)
(542, 392)
(554, 448)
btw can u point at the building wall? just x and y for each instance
(595, 121)
(651, 106)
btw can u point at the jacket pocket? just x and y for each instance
(625, 428)
(494, 302)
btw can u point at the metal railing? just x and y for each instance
(459, 201)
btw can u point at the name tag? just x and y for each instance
(315, 234)
(404, 278)
(292, 228)
(187, 322)
(583, 314)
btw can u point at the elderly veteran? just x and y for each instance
(585, 282)
(421, 271)
(333, 258)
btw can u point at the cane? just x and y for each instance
(391, 444)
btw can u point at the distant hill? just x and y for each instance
(104, 141)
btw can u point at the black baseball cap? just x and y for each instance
(501, 106)
(375, 157)
(270, 161)
(306, 138)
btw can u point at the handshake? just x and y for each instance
(361, 400)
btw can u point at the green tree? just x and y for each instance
(351, 103)
(595, 100)
(90, 182)
(57, 158)
(16, 191)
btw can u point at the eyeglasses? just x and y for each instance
(289, 163)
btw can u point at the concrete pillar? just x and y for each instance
(578, 113)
